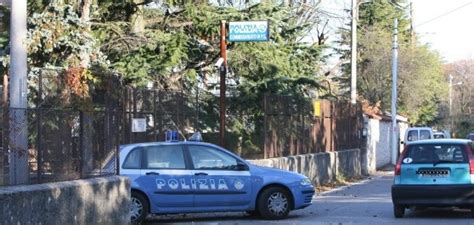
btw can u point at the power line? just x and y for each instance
(445, 14)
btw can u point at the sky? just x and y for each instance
(446, 26)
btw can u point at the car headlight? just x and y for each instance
(305, 181)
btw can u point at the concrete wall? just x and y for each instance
(379, 142)
(319, 167)
(92, 201)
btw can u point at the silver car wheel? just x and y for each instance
(277, 203)
(136, 209)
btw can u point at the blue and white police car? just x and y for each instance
(191, 176)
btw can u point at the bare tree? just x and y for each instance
(463, 91)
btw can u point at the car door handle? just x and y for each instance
(200, 174)
(152, 173)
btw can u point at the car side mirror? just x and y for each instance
(242, 166)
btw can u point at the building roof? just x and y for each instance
(374, 112)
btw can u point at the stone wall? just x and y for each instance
(102, 201)
(320, 168)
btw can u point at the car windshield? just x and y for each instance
(435, 153)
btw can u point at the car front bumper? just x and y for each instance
(433, 195)
(303, 197)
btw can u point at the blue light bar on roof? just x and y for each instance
(171, 135)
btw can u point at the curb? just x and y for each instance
(342, 188)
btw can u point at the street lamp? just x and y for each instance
(354, 14)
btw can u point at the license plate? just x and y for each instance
(433, 173)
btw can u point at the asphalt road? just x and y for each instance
(366, 202)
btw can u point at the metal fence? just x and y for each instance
(3, 125)
(292, 128)
(162, 111)
(188, 113)
(278, 126)
(70, 143)
(63, 143)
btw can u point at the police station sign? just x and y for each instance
(244, 31)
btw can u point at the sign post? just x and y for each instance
(223, 71)
(242, 31)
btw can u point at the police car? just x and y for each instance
(192, 176)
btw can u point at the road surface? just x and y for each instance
(366, 202)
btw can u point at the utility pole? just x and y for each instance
(450, 97)
(394, 92)
(450, 102)
(450, 86)
(18, 144)
(354, 13)
(223, 71)
(412, 31)
(86, 118)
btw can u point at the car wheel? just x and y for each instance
(139, 208)
(398, 210)
(274, 203)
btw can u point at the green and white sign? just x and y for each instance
(247, 31)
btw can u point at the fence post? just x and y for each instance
(81, 141)
(178, 102)
(127, 116)
(5, 130)
(107, 141)
(332, 122)
(39, 153)
(291, 144)
(39, 160)
(134, 114)
(117, 142)
(160, 111)
(155, 136)
(303, 134)
(196, 123)
(265, 120)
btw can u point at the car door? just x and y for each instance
(166, 179)
(220, 179)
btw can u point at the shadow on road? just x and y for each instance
(433, 213)
(208, 218)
